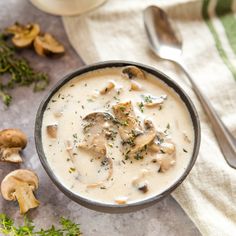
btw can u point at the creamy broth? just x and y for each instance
(118, 173)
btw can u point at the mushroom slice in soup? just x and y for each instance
(140, 182)
(151, 101)
(135, 86)
(135, 139)
(109, 86)
(144, 139)
(98, 129)
(133, 72)
(52, 130)
(166, 161)
(127, 121)
(121, 200)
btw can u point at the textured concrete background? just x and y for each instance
(164, 218)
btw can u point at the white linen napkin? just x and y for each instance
(116, 31)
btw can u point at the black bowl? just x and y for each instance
(114, 208)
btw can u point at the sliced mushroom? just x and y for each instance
(109, 86)
(140, 182)
(154, 147)
(134, 137)
(143, 187)
(52, 130)
(127, 121)
(23, 35)
(19, 185)
(167, 147)
(162, 147)
(12, 141)
(121, 200)
(132, 72)
(96, 132)
(47, 45)
(134, 85)
(58, 113)
(144, 139)
(155, 101)
(166, 161)
(15, 29)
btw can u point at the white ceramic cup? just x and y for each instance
(66, 7)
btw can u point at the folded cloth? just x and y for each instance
(208, 27)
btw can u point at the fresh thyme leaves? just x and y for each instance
(8, 227)
(17, 72)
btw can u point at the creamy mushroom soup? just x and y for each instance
(117, 135)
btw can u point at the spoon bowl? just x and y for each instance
(162, 33)
(165, 41)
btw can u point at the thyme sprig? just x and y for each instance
(8, 227)
(16, 72)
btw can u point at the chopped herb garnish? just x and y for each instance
(110, 145)
(147, 99)
(122, 108)
(116, 98)
(90, 100)
(185, 150)
(138, 156)
(168, 126)
(72, 169)
(141, 107)
(75, 136)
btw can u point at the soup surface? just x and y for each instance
(117, 135)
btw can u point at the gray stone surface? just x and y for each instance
(164, 218)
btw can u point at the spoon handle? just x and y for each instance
(225, 139)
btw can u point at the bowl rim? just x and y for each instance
(109, 207)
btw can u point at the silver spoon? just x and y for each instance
(165, 41)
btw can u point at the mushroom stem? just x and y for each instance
(12, 141)
(26, 198)
(10, 155)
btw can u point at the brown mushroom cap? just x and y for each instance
(133, 72)
(19, 185)
(23, 35)
(47, 45)
(12, 138)
(96, 131)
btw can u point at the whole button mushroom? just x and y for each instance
(12, 141)
(19, 185)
